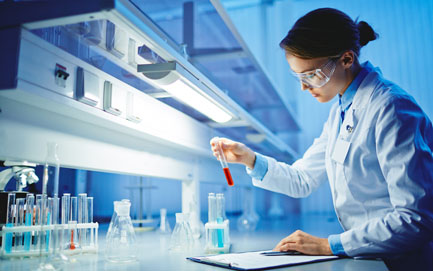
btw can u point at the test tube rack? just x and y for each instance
(217, 237)
(91, 247)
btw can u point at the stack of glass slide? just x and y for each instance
(33, 229)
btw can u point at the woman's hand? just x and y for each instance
(305, 243)
(235, 152)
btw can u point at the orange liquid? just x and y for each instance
(228, 176)
(72, 240)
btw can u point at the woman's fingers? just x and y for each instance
(305, 243)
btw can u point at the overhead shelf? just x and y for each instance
(117, 36)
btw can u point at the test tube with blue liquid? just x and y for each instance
(19, 221)
(49, 212)
(220, 217)
(38, 220)
(10, 222)
(212, 212)
(30, 203)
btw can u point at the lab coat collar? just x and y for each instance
(367, 86)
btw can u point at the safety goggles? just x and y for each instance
(319, 77)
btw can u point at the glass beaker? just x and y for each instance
(247, 222)
(121, 236)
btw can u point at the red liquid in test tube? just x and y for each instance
(224, 164)
(228, 176)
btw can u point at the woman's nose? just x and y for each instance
(304, 86)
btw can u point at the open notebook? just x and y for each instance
(257, 260)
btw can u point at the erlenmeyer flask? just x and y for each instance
(121, 236)
(247, 222)
(181, 238)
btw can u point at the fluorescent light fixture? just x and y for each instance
(177, 81)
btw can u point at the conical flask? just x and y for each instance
(120, 240)
(181, 238)
(247, 222)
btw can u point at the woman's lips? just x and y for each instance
(315, 94)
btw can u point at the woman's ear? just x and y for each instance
(348, 58)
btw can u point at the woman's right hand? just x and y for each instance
(235, 152)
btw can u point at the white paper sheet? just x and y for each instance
(255, 260)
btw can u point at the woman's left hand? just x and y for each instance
(304, 243)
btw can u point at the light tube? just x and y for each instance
(169, 76)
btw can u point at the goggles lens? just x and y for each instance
(319, 77)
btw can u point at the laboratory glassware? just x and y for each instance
(181, 238)
(197, 227)
(247, 222)
(223, 161)
(164, 226)
(217, 228)
(90, 220)
(10, 221)
(51, 169)
(73, 242)
(82, 217)
(121, 241)
(19, 221)
(30, 203)
(38, 219)
(65, 235)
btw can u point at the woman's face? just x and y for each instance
(336, 84)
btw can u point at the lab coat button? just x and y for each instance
(349, 129)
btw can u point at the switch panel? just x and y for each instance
(87, 87)
(60, 75)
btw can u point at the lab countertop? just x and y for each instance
(153, 253)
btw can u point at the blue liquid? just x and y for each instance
(220, 233)
(28, 235)
(47, 239)
(8, 241)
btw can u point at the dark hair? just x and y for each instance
(326, 32)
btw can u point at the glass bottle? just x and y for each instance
(121, 236)
(164, 226)
(247, 222)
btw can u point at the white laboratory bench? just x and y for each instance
(154, 254)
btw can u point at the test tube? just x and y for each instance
(38, 219)
(55, 221)
(19, 221)
(82, 217)
(90, 220)
(10, 221)
(30, 205)
(66, 205)
(212, 212)
(73, 223)
(220, 218)
(223, 162)
(49, 212)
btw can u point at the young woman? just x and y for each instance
(375, 149)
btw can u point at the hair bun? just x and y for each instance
(366, 33)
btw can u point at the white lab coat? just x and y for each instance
(380, 170)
